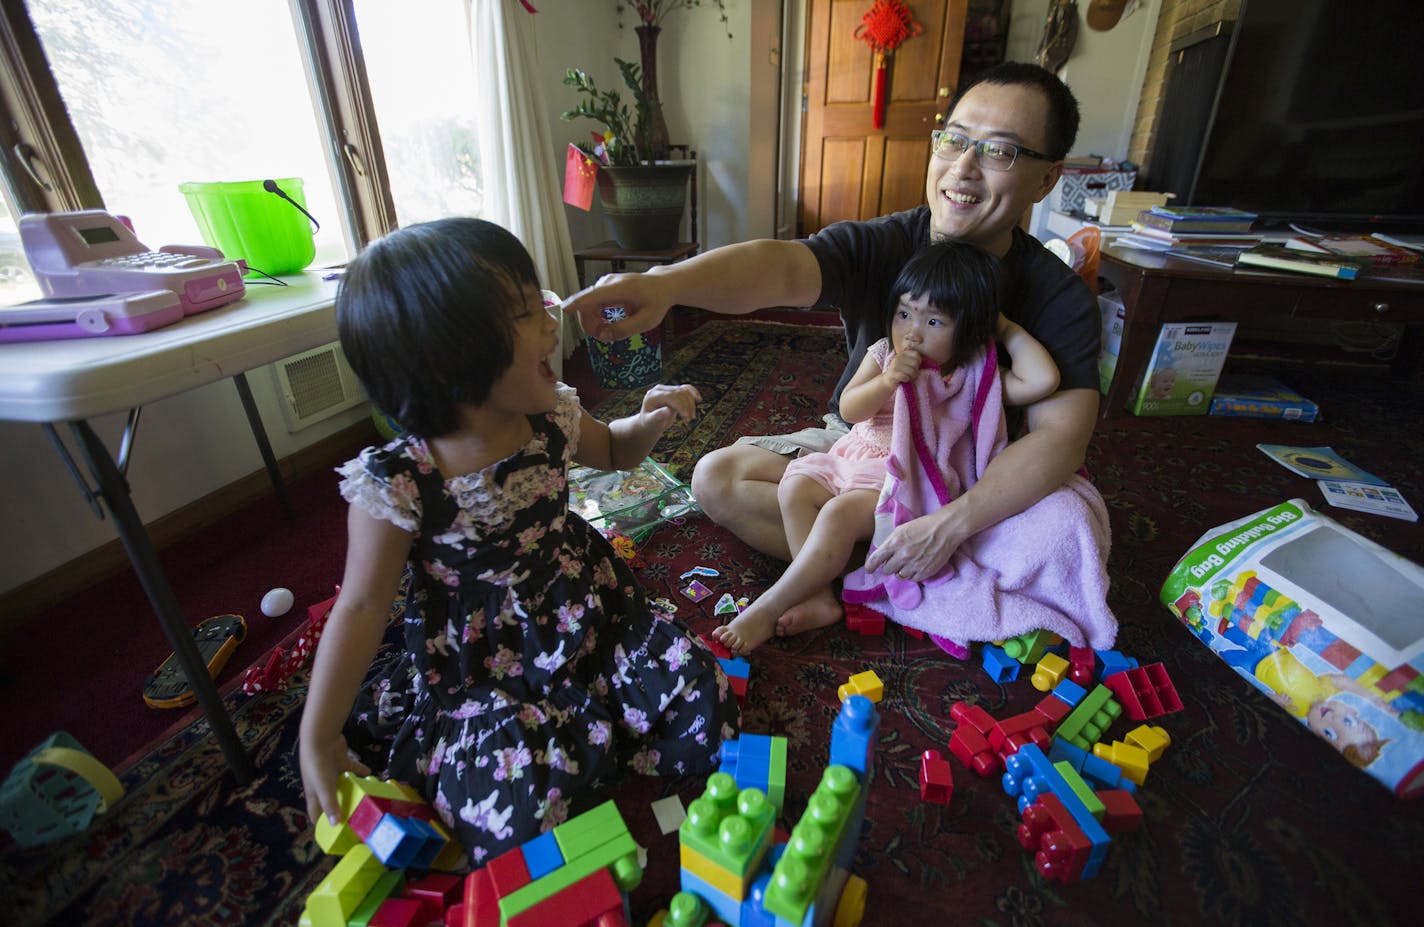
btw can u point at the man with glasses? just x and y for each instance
(1000, 150)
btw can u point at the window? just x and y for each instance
(114, 105)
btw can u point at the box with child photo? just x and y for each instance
(1181, 377)
(1321, 620)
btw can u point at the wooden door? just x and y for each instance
(849, 168)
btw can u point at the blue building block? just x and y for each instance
(1111, 661)
(998, 664)
(1029, 773)
(727, 908)
(542, 855)
(853, 734)
(1070, 692)
(735, 666)
(1097, 771)
(396, 841)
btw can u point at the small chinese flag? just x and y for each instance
(579, 171)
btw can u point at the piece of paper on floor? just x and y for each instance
(670, 813)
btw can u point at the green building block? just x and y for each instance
(685, 910)
(387, 886)
(1085, 724)
(620, 853)
(776, 775)
(797, 878)
(735, 840)
(1085, 793)
(1029, 648)
(332, 903)
(589, 830)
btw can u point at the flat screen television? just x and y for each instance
(1319, 116)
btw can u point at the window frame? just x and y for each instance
(48, 170)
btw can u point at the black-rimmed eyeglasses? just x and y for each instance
(993, 154)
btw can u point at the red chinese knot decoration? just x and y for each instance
(884, 26)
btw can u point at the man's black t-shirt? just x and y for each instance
(861, 260)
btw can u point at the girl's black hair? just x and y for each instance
(965, 282)
(426, 316)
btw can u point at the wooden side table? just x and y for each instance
(619, 257)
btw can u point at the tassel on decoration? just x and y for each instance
(884, 26)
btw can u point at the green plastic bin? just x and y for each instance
(248, 221)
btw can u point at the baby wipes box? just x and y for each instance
(1323, 621)
(1186, 362)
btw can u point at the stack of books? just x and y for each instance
(1275, 256)
(1160, 228)
(1379, 251)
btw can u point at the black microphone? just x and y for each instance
(271, 187)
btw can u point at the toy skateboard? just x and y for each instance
(217, 638)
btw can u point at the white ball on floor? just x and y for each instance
(277, 602)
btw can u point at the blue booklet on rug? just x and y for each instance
(1319, 463)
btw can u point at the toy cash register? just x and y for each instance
(99, 279)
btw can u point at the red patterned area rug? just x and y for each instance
(1248, 819)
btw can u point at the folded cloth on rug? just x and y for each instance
(1044, 568)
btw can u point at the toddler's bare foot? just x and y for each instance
(821, 610)
(746, 632)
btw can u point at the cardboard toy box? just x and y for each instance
(1324, 622)
(1260, 397)
(1078, 183)
(1114, 316)
(1181, 376)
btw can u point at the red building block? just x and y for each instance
(936, 778)
(508, 872)
(481, 901)
(1011, 733)
(593, 901)
(1052, 710)
(970, 743)
(1121, 813)
(1144, 692)
(864, 620)
(1081, 663)
(1059, 846)
(400, 912)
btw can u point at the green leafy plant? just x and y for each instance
(624, 127)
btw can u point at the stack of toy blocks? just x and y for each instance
(384, 824)
(575, 874)
(756, 761)
(1073, 791)
(724, 842)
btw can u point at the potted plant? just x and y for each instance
(643, 198)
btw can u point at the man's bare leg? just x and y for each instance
(842, 522)
(736, 487)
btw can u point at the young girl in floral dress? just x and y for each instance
(538, 668)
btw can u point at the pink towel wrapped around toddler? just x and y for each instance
(1043, 568)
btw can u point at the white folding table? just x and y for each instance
(71, 381)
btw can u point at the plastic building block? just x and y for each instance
(387, 886)
(542, 855)
(1094, 714)
(618, 854)
(1097, 772)
(1150, 738)
(864, 620)
(1081, 665)
(1052, 710)
(999, 665)
(798, 876)
(443, 889)
(1110, 662)
(684, 910)
(1029, 775)
(399, 912)
(338, 895)
(853, 734)
(1145, 692)
(1061, 849)
(1010, 734)
(734, 839)
(594, 898)
(1121, 813)
(1029, 648)
(724, 907)
(481, 904)
(1131, 760)
(867, 684)
(401, 842)
(508, 872)
(1051, 670)
(936, 778)
(1069, 692)
(970, 740)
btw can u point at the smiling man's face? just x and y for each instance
(972, 202)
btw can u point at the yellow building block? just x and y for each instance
(1131, 760)
(1052, 669)
(333, 901)
(1150, 738)
(867, 684)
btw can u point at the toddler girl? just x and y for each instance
(943, 314)
(538, 666)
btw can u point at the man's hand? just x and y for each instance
(619, 305)
(919, 549)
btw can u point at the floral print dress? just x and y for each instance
(536, 667)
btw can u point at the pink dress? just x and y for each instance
(857, 459)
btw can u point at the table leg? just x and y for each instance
(254, 418)
(115, 492)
